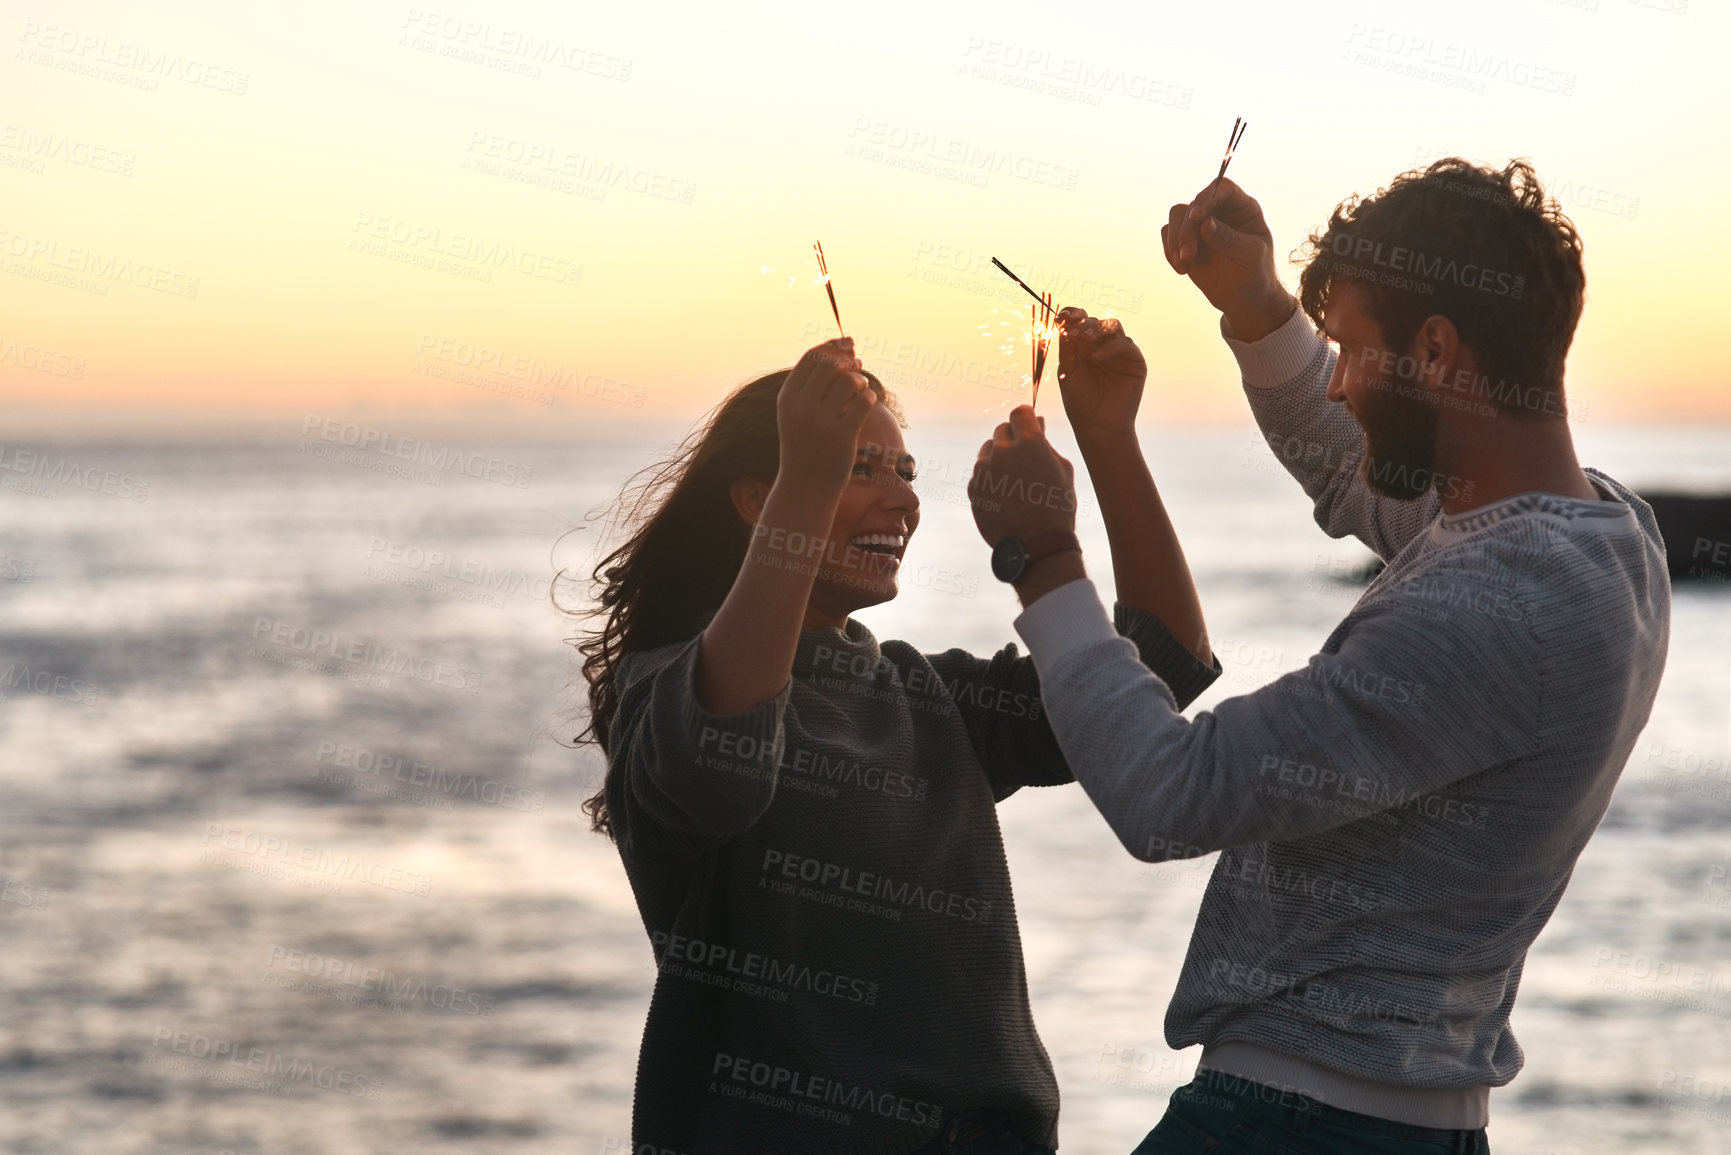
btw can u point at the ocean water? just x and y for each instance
(293, 860)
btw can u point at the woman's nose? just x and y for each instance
(902, 496)
(906, 498)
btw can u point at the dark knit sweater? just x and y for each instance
(824, 886)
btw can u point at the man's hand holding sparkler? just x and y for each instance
(1221, 242)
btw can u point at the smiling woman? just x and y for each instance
(807, 817)
(859, 558)
(677, 565)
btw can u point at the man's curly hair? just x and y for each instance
(1485, 248)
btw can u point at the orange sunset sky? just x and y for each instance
(545, 216)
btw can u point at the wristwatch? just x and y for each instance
(1012, 556)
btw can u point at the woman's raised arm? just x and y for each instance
(746, 652)
(1101, 373)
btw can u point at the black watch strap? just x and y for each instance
(1012, 557)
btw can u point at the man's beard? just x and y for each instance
(1399, 441)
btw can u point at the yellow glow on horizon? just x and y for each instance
(307, 203)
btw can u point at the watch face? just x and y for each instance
(1009, 559)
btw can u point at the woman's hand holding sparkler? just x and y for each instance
(1222, 243)
(747, 649)
(1101, 373)
(819, 412)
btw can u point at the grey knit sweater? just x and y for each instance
(1399, 818)
(824, 887)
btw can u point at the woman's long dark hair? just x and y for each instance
(689, 541)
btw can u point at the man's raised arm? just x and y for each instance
(1222, 243)
(1391, 715)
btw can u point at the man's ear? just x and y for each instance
(1437, 348)
(748, 495)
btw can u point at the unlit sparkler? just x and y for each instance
(823, 269)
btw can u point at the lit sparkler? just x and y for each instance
(1040, 318)
(1041, 326)
(1040, 321)
(823, 269)
(1238, 126)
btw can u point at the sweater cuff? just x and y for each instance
(691, 745)
(1064, 621)
(1165, 656)
(1278, 357)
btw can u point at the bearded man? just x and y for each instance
(1399, 819)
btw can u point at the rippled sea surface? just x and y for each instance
(293, 860)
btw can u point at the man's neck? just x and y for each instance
(1483, 460)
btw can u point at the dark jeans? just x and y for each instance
(980, 1133)
(1219, 1115)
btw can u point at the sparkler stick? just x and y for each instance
(1040, 317)
(1034, 348)
(1006, 271)
(1040, 324)
(1238, 126)
(823, 268)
